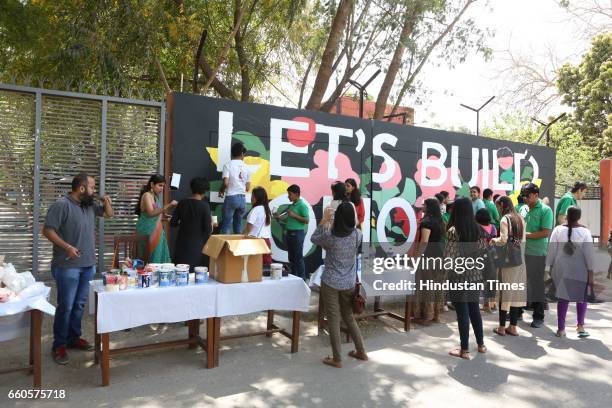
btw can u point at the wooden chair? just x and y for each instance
(130, 245)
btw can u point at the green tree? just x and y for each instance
(588, 88)
(575, 160)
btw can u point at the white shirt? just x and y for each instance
(257, 218)
(238, 174)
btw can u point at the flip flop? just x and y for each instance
(331, 362)
(511, 334)
(358, 356)
(499, 333)
(482, 349)
(460, 353)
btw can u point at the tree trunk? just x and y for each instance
(242, 58)
(198, 60)
(410, 17)
(329, 54)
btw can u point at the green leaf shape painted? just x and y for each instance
(409, 191)
(252, 143)
(507, 176)
(527, 173)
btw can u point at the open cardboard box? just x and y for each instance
(231, 254)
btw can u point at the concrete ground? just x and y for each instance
(412, 369)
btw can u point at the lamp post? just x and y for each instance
(361, 89)
(546, 131)
(477, 110)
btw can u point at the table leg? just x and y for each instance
(31, 342)
(270, 324)
(194, 331)
(36, 323)
(295, 332)
(217, 340)
(96, 335)
(210, 343)
(105, 363)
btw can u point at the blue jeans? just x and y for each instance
(295, 248)
(72, 291)
(469, 312)
(234, 208)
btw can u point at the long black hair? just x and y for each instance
(432, 212)
(339, 191)
(355, 196)
(261, 198)
(507, 208)
(573, 216)
(154, 179)
(462, 219)
(344, 220)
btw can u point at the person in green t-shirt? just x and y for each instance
(487, 196)
(569, 199)
(296, 217)
(539, 223)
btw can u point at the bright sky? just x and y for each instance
(523, 26)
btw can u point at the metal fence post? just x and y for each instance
(36, 185)
(162, 139)
(102, 188)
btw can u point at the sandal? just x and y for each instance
(560, 333)
(460, 353)
(482, 349)
(511, 332)
(498, 331)
(331, 362)
(359, 356)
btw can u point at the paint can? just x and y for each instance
(164, 277)
(201, 274)
(276, 270)
(182, 275)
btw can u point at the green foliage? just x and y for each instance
(588, 88)
(575, 159)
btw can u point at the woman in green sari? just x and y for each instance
(150, 211)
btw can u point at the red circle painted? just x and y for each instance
(301, 138)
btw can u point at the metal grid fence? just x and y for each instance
(46, 137)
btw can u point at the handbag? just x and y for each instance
(359, 300)
(510, 255)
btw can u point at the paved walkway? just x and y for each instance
(405, 369)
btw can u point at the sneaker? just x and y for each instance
(537, 324)
(81, 344)
(60, 356)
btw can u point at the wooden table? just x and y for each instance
(34, 366)
(271, 328)
(103, 352)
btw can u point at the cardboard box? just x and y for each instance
(229, 254)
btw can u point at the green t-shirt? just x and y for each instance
(564, 203)
(538, 218)
(490, 206)
(521, 209)
(301, 209)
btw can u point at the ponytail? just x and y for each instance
(573, 216)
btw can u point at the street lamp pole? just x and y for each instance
(477, 110)
(546, 131)
(362, 89)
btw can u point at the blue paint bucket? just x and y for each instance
(201, 274)
(164, 277)
(182, 275)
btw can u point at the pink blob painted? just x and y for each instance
(433, 173)
(317, 184)
(301, 138)
(395, 179)
(505, 162)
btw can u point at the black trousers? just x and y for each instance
(514, 314)
(535, 284)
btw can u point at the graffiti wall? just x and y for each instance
(396, 166)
